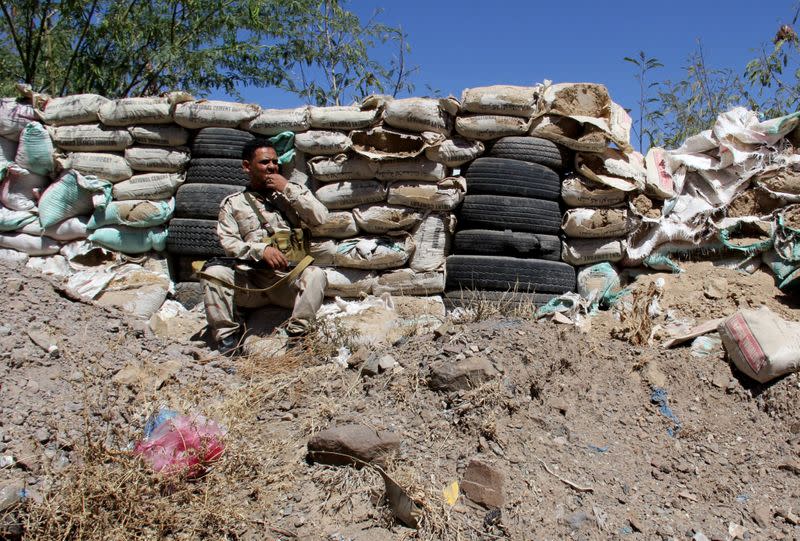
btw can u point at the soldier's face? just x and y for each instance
(263, 164)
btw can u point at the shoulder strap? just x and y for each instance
(288, 278)
(251, 201)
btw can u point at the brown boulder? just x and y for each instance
(338, 444)
(483, 484)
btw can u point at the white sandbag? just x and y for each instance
(75, 109)
(338, 225)
(323, 251)
(658, 182)
(35, 149)
(322, 143)
(72, 195)
(584, 223)
(14, 116)
(8, 150)
(421, 114)
(341, 167)
(577, 191)
(379, 219)
(29, 244)
(55, 265)
(445, 195)
(105, 165)
(70, 229)
(588, 251)
(409, 282)
(275, 121)
(413, 169)
(169, 135)
(623, 171)
(21, 189)
(381, 143)
(91, 138)
(16, 220)
(13, 257)
(130, 240)
(455, 152)
(342, 117)
(485, 127)
(151, 186)
(432, 240)
(157, 159)
(209, 113)
(347, 194)
(761, 344)
(130, 111)
(349, 282)
(136, 290)
(501, 100)
(374, 252)
(133, 213)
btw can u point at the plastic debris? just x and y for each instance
(659, 396)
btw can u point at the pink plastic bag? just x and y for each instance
(183, 445)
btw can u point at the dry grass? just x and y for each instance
(482, 305)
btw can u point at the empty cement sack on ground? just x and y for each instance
(35, 149)
(486, 127)
(584, 223)
(455, 152)
(105, 165)
(72, 195)
(130, 240)
(444, 195)
(379, 219)
(136, 289)
(91, 138)
(381, 143)
(151, 186)
(501, 100)
(133, 213)
(589, 251)
(157, 159)
(21, 189)
(421, 114)
(414, 169)
(131, 111)
(349, 282)
(432, 239)
(29, 244)
(374, 252)
(275, 121)
(14, 116)
(346, 194)
(341, 167)
(342, 117)
(577, 191)
(322, 143)
(75, 109)
(761, 344)
(409, 282)
(70, 229)
(12, 220)
(338, 225)
(170, 135)
(214, 114)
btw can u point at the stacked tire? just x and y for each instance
(215, 172)
(507, 246)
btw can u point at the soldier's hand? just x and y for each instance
(274, 258)
(277, 182)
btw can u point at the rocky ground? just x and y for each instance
(551, 431)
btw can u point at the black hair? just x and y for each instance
(250, 147)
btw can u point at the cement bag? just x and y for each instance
(91, 138)
(349, 282)
(21, 189)
(341, 167)
(409, 282)
(577, 191)
(133, 213)
(600, 285)
(136, 290)
(130, 111)
(455, 152)
(162, 135)
(570, 133)
(8, 150)
(75, 109)
(379, 219)
(746, 235)
(35, 150)
(432, 240)
(624, 172)
(445, 195)
(157, 159)
(588, 251)
(151, 186)
(381, 143)
(346, 194)
(12, 220)
(70, 229)
(323, 252)
(342, 117)
(319, 143)
(208, 113)
(29, 244)
(583, 223)
(374, 252)
(485, 127)
(14, 116)
(761, 344)
(421, 114)
(107, 166)
(73, 195)
(414, 169)
(658, 181)
(501, 100)
(275, 121)
(338, 225)
(129, 240)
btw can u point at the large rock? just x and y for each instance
(461, 375)
(483, 484)
(354, 440)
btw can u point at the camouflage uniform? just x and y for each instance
(242, 236)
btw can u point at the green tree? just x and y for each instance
(644, 125)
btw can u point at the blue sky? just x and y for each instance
(461, 44)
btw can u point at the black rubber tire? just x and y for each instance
(509, 243)
(497, 273)
(512, 177)
(199, 200)
(220, 143)
(216, 171)
(505, 301)
(189, 236)
(529, 149)
(189, 294)
(499, 212)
